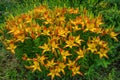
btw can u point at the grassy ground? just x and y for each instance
(12, 69)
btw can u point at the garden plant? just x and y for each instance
(59, 42)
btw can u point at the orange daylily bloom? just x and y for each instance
(92, 47)
(103, 44)
(62, 32)
(40, 9)
(36, 28)
(61, 67)
(78, 40)
(32, 35)
(103, 53)
(46, 31)
(64, 54)
(98, 21)
(79, 20)
(35, 66)
(113, 35)
(25, 57)
(105, 31)
(55, 38)
(98, 30)
(71, 42)
(48, 20)
(41, 59)
(53, 45)
(14, 30)
(50, 63)
(21, 37)
(53, 73)
(62, 18)
(73, 11)
(71, 63)
(73, 22)
(80, 54)
(76, 28)
(45, 48)
(96, 40)
(34, 31)
(11, 46)
(27, 18)
(75, 70)
(90, 26)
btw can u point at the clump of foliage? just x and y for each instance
(59, 41)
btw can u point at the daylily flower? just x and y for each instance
(76, 28)
(98, 21)
(79, 21)
(71, 42)
(27, 18)
(113, 35)
(54, 46)
(46, 31)
(25, 57)
(103, 52)
(40, 9)
(64, 54)
(78, 40)
(110, 32)
(45, 48)
(62, 32)
(90, 26)
(21, 37)
(96, 40)
(97, 30)
(50, 64)
(61, 67)
(75, 70)
(73, 11)
(53, 73)
(80, 54)
(103, 44)
(14, 30)
(41, 59)
(71, 63)
(48, 20)
(11, 46)
(92, 47)
(35, 66)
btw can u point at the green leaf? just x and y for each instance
(102, 62)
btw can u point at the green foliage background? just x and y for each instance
(110, 9)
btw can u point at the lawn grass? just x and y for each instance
(12, 69)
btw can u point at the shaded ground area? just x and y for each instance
(10, 67)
